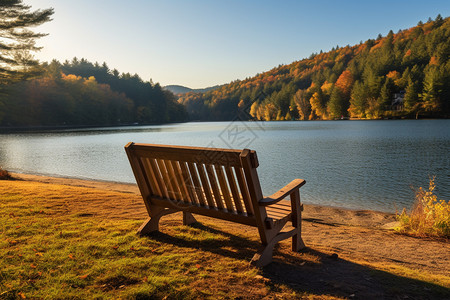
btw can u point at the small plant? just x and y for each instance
(4, 175)
(429, 216)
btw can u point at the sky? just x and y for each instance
(200, 43)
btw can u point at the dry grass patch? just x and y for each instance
(429, 216)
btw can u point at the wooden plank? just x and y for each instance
(224, 187)
(173, 182)
(234, 190)
(214, 213)
(138, 172)
(181, 186)
(196, 184)
(151, 177)
(166, 181)
(214, 186)
(244, 191)
(158, 177)
(205, 184)
(190, 186)
(249, 163)
(225, 157)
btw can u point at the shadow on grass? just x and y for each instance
(324, 275)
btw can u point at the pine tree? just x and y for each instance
(17, 41)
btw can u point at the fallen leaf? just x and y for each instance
(71, 256)
(13, 242)
(22, 295)
(39, 254)
(83, 276)
(197, 266)
(33, 266)
(115, 247)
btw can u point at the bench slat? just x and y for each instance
(214, 213)
(181, 183)
(224, 187)
(158, 178)
(214, 186)
(226, 157)
(173, 181)
(166, 179)
(244, 191)
(147, 168)
(204, 187)
(189, 168)
(234, 190)
(188, 182)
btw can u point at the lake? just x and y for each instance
(352, 164)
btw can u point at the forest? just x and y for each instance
(81, 93)
(401, 75)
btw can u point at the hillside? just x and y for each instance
(179, 89)
(406, 74)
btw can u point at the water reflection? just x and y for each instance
(366, 164)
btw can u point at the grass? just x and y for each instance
(45, 253)
(53, 247)
(429, 216)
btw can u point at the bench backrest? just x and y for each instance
(223, 180)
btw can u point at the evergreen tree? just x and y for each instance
(337, 106)
(17, 41)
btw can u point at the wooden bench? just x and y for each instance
(218, 183)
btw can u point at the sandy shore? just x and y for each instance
(312, 213)
(351, 245)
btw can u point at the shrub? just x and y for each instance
(429, 216)
(4, 175)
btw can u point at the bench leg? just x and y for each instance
(297, 241)
(188, 218)
(152, 224)
(264, 256)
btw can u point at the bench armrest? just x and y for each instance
(282, 193)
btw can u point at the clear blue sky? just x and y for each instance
(203, 43)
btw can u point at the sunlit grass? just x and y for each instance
(44, 254)
(52, 246)
(429, 216)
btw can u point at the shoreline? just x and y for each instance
(347, 251)
(313, 212)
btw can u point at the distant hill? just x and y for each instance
(179, 89)
(403, 74)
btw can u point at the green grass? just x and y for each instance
(56, 242)
(56, 256)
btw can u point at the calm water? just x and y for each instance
(354, 164)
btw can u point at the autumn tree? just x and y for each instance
(301, 101)
(17, 41)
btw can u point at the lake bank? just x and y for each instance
(371, 262)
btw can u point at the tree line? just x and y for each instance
(80, 93)
(406, 74)
(75, 93)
